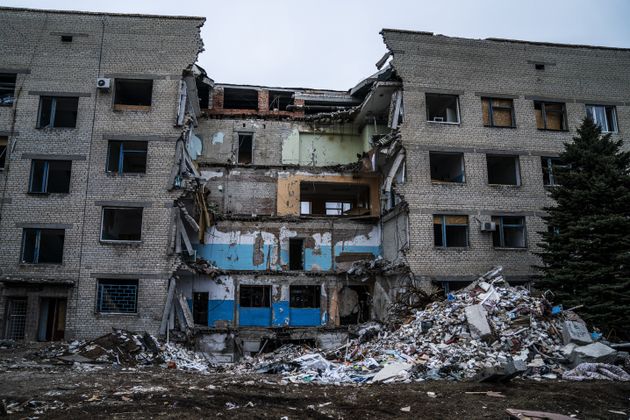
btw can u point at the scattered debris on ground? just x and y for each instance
(489, 331)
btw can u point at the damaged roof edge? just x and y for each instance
(504, 40)
(78, 12)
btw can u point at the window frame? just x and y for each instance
(615, 119)
(238, 148)
(500, 229)
(457, 108)
(517, 168)
(6, 89)
(119, 84)
(547, 165)
(462, 160)
(544, 115)
(53, 112)
(99, 295)
(491, 108)
(37, 245)
(4, 147)
(444, 224)
(45, 177)
(267, 293)
(104, 208)
(317, 296)
(121, 157)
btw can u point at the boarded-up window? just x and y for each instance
(498, 112)
(550, 116)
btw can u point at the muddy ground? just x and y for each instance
(31, 388)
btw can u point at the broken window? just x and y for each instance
(510, 232)
(549, 170)
(442, 108)
(498, 112)
(117, 296)
(305, 296)
(122, 224)
(57, 112)
(550, 116)
(7, 88)
(604, 116)
(305, 207)
(450, 231)
(503, 170)
(296, 254)
(334, 199)
(3, 151)
(130, 93)
(42, 246)
(255, 296)
(447, 167)
(234, 98)
(50, 176)
(279, 100)
(127, 156)
(245, 148)
(203, 90)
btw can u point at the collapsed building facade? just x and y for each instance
(274, 214)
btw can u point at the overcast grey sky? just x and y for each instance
(335, 43)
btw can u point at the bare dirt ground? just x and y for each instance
(36, 390)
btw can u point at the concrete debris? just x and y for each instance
(477, 322)
(125, 349)
(596, 353)
(575, 332)
(535, 415)
(596, 371)
(443, 341)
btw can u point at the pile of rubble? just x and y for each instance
(488, 331)
(126, 349)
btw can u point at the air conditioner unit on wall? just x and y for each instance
(488, 226)
(103, 83)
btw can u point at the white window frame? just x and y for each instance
(593, 115)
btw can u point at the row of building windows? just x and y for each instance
(62, 111)
(45, 246)
(121, 296)
(448, 167)
(499, 112)
(451, 231)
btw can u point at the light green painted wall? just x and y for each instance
(291, 148)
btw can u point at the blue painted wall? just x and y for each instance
(220, 310)
(234, 257)
(280, 313)
(305, 317)
(254, 317)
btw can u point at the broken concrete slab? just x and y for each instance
(593, 353)
(476, 317)
(502, 373)
(575, 332)
(391, 370)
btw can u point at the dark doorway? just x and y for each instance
(296, 254)
(52, 319)
(200, 308)
(354, 305)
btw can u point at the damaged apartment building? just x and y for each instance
(249, 216)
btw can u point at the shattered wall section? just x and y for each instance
(328, 245)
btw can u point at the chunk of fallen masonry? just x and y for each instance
(593, 353)
(575, 332)
(477, 322)
(503, 373)
(391, 370)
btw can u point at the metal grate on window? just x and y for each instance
(117, 296)
(16, 319)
